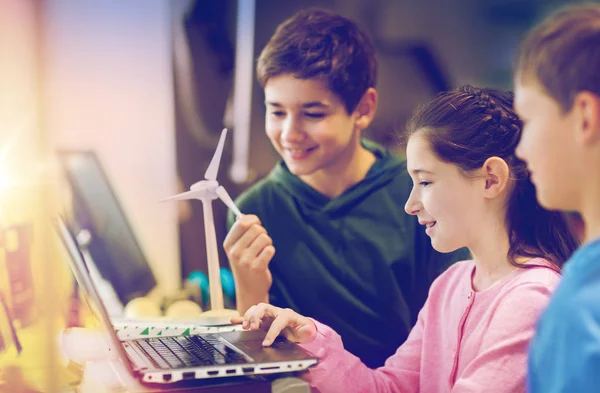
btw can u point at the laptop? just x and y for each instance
(165, 360)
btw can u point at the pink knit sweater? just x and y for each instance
(463, 341)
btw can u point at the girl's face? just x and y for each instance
(449, 204)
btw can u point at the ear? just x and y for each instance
(366, 108)
(586, 107)
(496, 174)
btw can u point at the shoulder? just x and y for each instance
(523, 297)
(515, 308)
(571, 308)
(386, 159)
(541, 276)
(577, 296)
(584, 264)
(529, 289)
(567, 340)
(391, 168)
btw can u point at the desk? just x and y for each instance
(30, 370)
(94, 370)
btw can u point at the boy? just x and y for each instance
(347, 253)
(558, 96)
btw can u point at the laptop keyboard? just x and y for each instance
(188, 351)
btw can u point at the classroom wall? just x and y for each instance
(108, 87)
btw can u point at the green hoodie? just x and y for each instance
(357, 263)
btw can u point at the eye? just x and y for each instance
(315, 115)
(277, 113)
(424, 183)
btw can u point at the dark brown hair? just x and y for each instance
(316, 43)
(467, 126)
(562, 53)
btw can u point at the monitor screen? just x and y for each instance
(112, 244)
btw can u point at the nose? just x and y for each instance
(525, 146)
(412, 205)
(292, 130)
(519, 149)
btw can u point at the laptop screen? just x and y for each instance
(91, 295)
(113, 246)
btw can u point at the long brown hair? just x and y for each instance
(467, 126)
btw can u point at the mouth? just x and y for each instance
(429, 224)
(300, 153)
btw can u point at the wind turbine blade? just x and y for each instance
(213, 167)
(194, 194)
(224, 195)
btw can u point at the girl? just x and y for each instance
(469, 189)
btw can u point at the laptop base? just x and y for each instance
(111, 375)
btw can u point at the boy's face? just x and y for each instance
(308, 125)
(548, 146)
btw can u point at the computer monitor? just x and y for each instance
(112, 244)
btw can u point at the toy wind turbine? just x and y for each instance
(207, 190)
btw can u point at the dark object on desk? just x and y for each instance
(74, 314)
(11, 326)
(112, 244)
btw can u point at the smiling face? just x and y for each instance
(548, 146)
(309, 126)
(447, 202)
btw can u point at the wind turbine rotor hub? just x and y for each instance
(205, 185)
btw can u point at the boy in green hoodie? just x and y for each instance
(333, 207)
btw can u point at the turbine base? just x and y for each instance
(216, 317)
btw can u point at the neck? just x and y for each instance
(589, 208)
(591, 218)
(348, 170)
(490, 253)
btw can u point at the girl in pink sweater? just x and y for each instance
(469, 189)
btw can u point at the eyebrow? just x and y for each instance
(418, 170)
(308, 105)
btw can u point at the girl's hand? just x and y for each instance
(277, 321)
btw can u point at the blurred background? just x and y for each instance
(146, 86)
